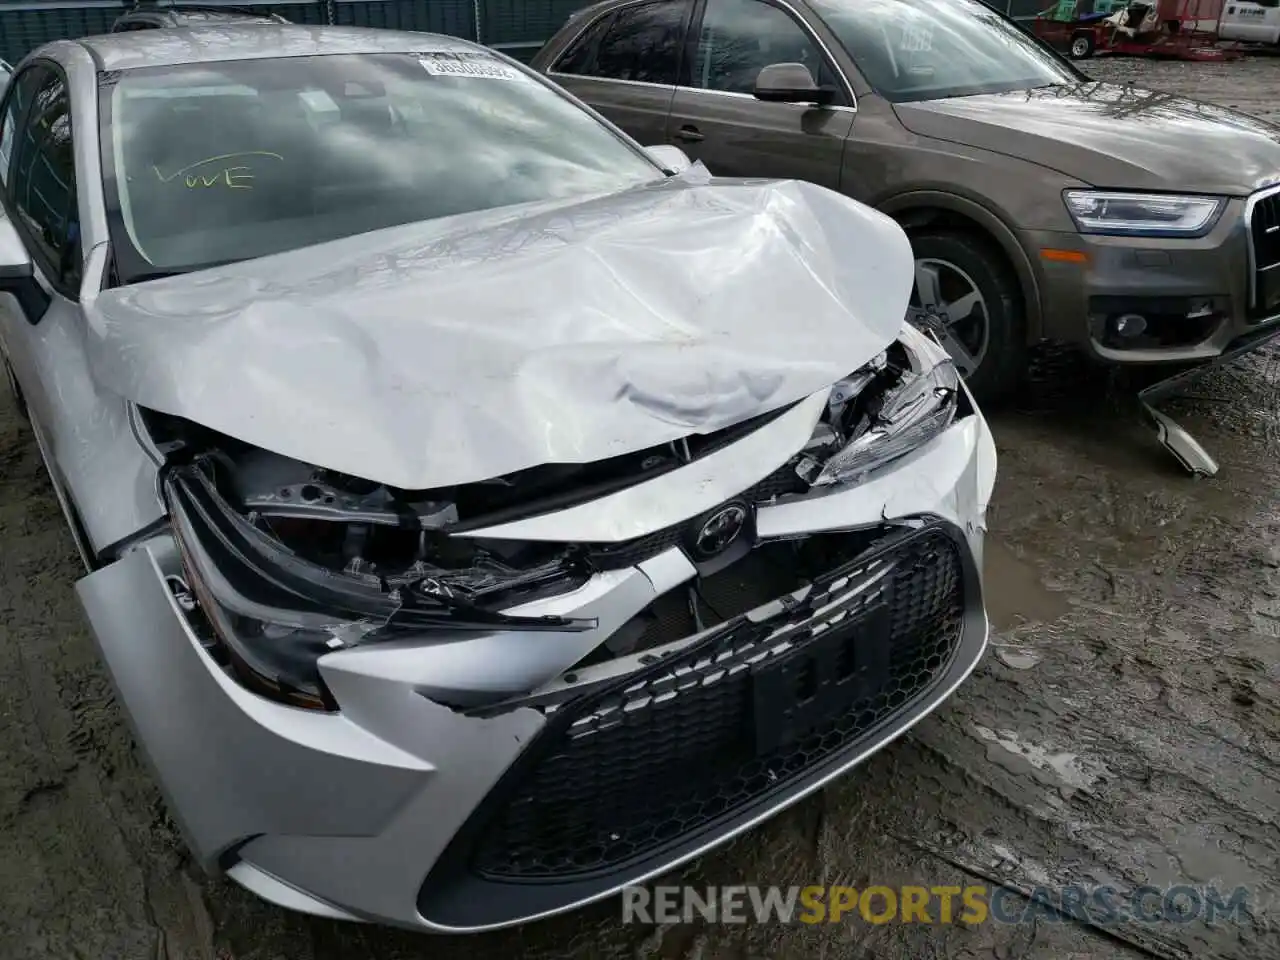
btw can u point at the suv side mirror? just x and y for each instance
(790, 83)
(17, 274)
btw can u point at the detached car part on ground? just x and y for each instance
(1040, 204)
(482, 517)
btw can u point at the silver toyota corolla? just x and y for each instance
(482, 513)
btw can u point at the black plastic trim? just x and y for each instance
(454, 897)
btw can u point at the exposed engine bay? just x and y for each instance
(289, 560)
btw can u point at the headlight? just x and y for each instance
(1142, 214)
(888, 408)
(271, 614)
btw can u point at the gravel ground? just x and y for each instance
(1125, 728)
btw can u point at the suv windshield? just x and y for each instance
(210, 163)
(927, 49)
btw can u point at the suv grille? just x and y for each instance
(1264, 239)
(710, 730)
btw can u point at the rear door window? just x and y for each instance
(580, 57)
(639, 43)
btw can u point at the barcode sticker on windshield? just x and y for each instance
(468, 65)
(917, 37)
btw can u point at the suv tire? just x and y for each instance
(964, 267)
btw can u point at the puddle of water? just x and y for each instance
(1014, 593)
(1069, 768)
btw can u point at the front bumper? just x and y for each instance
(402, 810)
(1199, 298)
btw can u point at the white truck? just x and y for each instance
(1254, 21)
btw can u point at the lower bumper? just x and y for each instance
(373, 812)
(653, 768)
(1193, 297)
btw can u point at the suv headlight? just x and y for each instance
(1142, 214)
(901, 399)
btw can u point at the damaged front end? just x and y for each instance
(284, 562)
(424, 707)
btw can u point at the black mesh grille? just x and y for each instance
(1264, 233)
(633, 770)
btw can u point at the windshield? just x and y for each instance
(211, 163)
(927, 49)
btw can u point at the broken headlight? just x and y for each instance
(272, 614)
(901, 399)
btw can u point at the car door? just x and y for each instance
(625, 63)
(715, 118)
(47, 350)
(28, 185)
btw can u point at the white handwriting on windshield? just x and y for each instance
(233, 177)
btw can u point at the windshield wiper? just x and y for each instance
(153, 275)
(142, 276)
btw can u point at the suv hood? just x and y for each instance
(1109, 135)
(470, 347)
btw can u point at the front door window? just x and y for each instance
(740, 38)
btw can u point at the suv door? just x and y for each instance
(626, 62)
(716, 118)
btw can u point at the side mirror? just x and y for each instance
(670, 158)
(790, 83)
(17, 274)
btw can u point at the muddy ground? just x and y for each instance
(1124, 729)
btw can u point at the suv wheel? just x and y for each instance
(966, 295)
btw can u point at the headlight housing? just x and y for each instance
(1142, 214)
(269, 614)
(898, 401)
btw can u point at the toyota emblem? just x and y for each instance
(720, 530)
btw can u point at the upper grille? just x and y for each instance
(712, 729)
(1264, 238)
(628, 553)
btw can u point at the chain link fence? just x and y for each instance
(518, 27)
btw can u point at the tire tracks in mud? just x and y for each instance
(87, 868)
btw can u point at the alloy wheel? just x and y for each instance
(947, 303)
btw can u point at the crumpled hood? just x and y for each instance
(460, 349)
(1110, 135)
